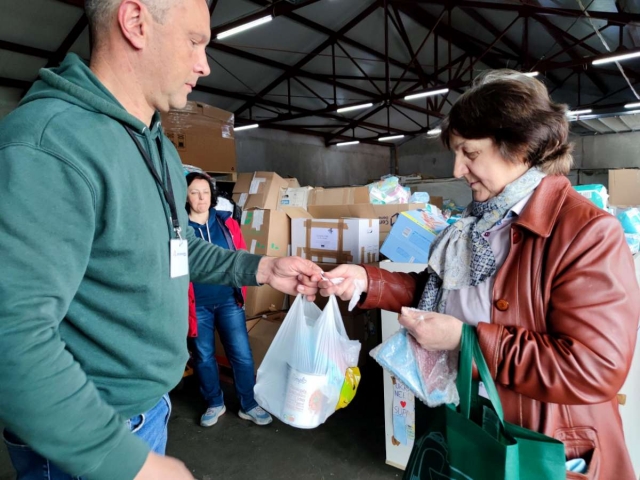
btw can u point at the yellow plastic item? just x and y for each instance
(349, 387)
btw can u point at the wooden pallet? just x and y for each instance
(224, 176)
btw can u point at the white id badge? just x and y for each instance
(179, 249)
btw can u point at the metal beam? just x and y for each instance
(453, 36)
(343, 38)
(525, 10)
(67, 43)
(286, 68)
(13, 83)
(414, 55)
(355, 122)
(557, 34)
(302, 112)
(25, 50)
(311, 55)
(275, 9)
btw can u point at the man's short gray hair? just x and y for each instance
(100, 12)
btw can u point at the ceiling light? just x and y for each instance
(354, 107)
(394, 137)
(245, 127)
(575, 113)
(632, 105)
(532, 74)
(427, 94)
(435, 131)
(617, 58)
(344, 144)
(244, 27)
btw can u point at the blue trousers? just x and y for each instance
(29, 465)
(229, 321)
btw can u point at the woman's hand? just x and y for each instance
(344, 290)
(433, 331)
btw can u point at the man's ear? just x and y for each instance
(133, 22)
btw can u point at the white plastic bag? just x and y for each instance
(300, 378)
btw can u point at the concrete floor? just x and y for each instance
(349, 446)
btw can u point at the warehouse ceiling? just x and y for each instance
(315, 56)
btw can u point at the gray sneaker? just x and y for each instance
(257, 415)
(211, 416)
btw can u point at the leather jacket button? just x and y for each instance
(502, 305)
(517, 236)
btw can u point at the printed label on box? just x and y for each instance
(324, 238)
(243, 199)
(404, 414)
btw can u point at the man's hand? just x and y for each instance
(291, 275)
(433, 331)
(344, 289)
(157, 467)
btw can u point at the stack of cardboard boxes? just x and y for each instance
(266, 231)
(203, 136)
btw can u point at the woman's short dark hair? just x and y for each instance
(202, 176)
(517, 113)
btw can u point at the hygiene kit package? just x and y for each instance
(310, 370)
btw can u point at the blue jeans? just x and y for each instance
(229, 320)
(29, 465)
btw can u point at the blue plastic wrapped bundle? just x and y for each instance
(388, 191)
(633, 240)
(596, 193)
(630, 220)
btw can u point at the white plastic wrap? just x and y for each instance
(300, 378)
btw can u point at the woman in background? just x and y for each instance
(219, 308)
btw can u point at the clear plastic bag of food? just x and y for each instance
(303, 373)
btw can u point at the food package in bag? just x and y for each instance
(303, 372)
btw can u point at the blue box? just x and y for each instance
(410, 239)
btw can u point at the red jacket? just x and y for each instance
(239, 243)
(563, 326)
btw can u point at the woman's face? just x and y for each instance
(480, 163)
(199, 195)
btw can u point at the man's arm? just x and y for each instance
(47, 222)
(210, 263)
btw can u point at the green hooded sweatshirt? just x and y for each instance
(92, 326)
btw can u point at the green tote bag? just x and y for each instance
(473, 442)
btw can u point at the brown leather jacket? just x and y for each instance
(563, 325)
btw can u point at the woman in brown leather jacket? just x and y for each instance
(545, 275)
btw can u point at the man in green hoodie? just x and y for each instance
(93, 291)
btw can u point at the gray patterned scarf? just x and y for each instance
(461, 256)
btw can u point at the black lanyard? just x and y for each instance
(166, 189)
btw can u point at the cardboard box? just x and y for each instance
(347, 240)
(624, 187)
(410, 239)
(339, 196)
(292, 183)
(294, 198)
(203, 136)
(266, 232)
(264, 299)
(262, 334)
(263, 191)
